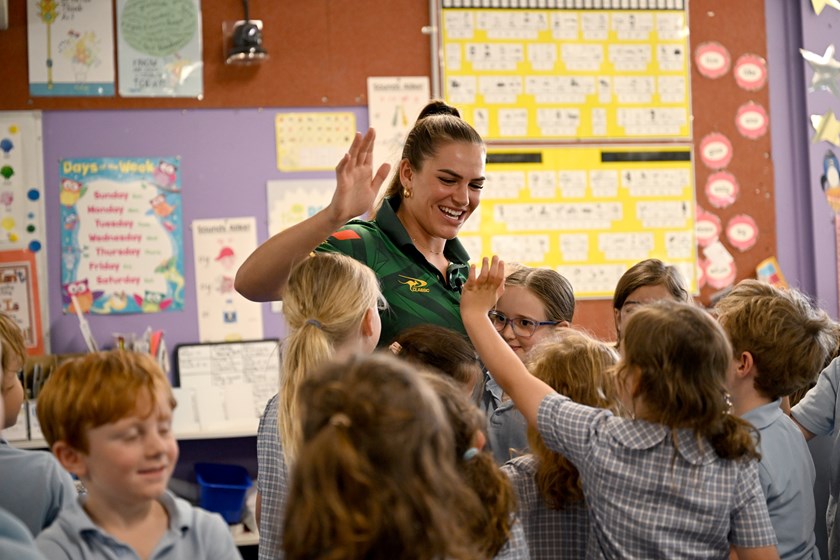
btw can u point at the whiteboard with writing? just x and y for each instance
(229, 383)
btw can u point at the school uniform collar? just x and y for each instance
(639, 434)
(389, 223)
(764, 415)
(76, 519)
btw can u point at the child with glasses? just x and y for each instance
(537, 303)
(35, 487)
(677, 478)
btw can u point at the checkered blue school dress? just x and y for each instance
(652, 494)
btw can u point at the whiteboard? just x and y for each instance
(227, 383)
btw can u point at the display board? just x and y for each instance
(588, 212)
(229, 382)
(561, 69)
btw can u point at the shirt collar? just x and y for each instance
(389, 223)
(639, 434)
(75, 517)
(764, 415)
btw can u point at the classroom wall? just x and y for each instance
(226, 158)
(226, 148)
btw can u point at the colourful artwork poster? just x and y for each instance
(71, 48)
(220, 246)
(19, 297)
(121, 235)
(159, 46)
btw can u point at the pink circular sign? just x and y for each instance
(750, 72)
(701, 273)
(742, 232)
(715, 150)
(720, 274)
(712, 59)
(721, 189)
(752, 120)
(706, 227)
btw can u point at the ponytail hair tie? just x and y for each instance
(315, 323)
(470, 453)
(340, 420)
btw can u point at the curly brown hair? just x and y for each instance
(489, 525)
(579, 367)
(375, 477)
(679, 356)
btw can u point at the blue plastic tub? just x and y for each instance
(222, 489)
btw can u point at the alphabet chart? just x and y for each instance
(588, 212)
(313, 141)
(613, 69)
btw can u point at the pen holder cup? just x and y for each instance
(222, 489)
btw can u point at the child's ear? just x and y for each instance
(479, 440)
(745, 364)
(367, 322)
(70, 458)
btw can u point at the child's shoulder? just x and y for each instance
(32, 463)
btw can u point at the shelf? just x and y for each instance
(216, 434)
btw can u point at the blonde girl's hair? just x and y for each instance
(375, 477)
(324, 303)
(680, 356)
(551, 288)
(490, 524)
(437, 124)
(580, 367)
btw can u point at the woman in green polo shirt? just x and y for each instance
(411, 244)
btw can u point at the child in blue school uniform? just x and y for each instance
(552, 507)
(34, 487)
(679, 477)
(494, 526)
(331, 306)
(15, 540)
(108, 419)
(537, 304)
(780, 342)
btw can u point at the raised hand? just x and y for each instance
(357, 186)
(483, 289)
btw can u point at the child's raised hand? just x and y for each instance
(483, 289)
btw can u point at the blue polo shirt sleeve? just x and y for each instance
(818, 409)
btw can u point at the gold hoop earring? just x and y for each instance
(406, 193)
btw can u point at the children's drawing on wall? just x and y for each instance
(71, 48)
(219, 247)
(121, 235)
(160, 48)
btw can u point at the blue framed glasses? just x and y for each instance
(521, 326)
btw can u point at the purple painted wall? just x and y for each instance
(226, 158)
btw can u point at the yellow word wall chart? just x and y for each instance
(586, 109)
(588, 212)
(567, 73)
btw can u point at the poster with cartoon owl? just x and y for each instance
(121, 235)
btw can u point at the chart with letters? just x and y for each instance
(568, 70)
(588, 212)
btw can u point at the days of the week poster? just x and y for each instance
(121, 235)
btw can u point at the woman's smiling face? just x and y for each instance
(445, 190)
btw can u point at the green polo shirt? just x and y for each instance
(416, 291)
